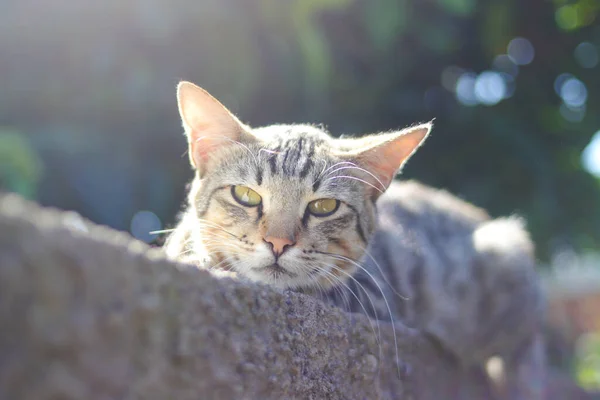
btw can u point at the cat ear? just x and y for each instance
(207, 123)
(385, 154)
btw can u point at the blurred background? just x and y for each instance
(88, 118)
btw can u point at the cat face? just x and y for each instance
(285, 205)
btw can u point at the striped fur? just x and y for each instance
(290, 167)
(413, 254)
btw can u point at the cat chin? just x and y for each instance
(279, 281)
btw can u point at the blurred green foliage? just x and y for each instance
(587, 362)
(20, 166)
(106, 72)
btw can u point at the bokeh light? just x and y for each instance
(465, 89)
(509, 82)
(577, 14)
(591, 155)
(490, 88)
(504, 63)
(144, 222)
(573, 92)
(487, 88)
(567, 18)
(521, 51)
(459, 7)
(572, 114)
(560, 80)
(586, 55)
(450, 76)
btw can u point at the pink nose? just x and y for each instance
(279, 245)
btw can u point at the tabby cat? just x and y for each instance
(290, 206)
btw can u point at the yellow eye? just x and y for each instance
(245, 196)
(323, 207)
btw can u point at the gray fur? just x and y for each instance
(447, 268)
(447, 259)
(416, 254)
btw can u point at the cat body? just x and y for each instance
(292, 207)
(449, 269)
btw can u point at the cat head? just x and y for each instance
(286, 205)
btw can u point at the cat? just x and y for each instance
(293, 207)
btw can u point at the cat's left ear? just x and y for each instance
(385, 154)
(208, 124)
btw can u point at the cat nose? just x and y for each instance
(278, 245)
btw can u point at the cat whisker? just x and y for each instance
(339, 290)
(232, 141)
(219, 244)
(218, 233)
(268, 151)
(335, 287)
(217, 265)
(318, 285)
(185, 252)
(219, 238)
(354, 166)
(214, 225)
(360, 303)
(231, 262)
(323, 170)
(186, 242)
(237, 264)
(161, 231)
(339, 284)
(387, 304)
(205, 221)
(333, 166)
(356, 179)
(383, 275)
(361, 286)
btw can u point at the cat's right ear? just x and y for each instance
(208, 124)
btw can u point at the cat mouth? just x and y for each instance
(276, 270)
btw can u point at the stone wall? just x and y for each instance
(88, 313)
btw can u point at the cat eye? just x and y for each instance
(245, 196)
(323, 207)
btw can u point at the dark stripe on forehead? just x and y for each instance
(359, 228)
(316, 184)
(273, 159)
(299, 148)
(296, 150)
(308, 163)
(259, 174)
(306, 168)
(242, 172)
(284, 164)
(294, 156)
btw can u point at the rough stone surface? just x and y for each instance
(88, 313)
